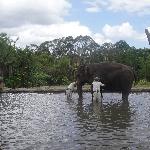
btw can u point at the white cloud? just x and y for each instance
(36, 34)
(122, 31)
(138, 6)
(95, 5)
(131, 6)
(39, 33)
(100, 38)
(93, 9)
(20, 12)
(36, 21)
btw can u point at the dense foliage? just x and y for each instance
(55, 62)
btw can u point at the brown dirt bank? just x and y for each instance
(60, 89)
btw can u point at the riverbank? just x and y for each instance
(60, 89)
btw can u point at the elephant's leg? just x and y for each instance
(125, 96)
(79, 90)
(92, 91)
(101, 92)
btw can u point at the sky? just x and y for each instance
(36, 21)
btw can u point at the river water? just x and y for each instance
(34, 121)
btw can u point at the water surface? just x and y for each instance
(51, 122)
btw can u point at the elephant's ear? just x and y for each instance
(86, 70)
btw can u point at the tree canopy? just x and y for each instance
(55, 62)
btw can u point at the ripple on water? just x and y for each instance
(49, 121)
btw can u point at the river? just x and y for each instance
(49, 121)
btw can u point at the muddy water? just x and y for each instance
(50, 122)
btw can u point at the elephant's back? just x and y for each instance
(106, 67)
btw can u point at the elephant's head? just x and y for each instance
(83, 75)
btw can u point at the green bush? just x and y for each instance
(12, 82)
(143, 83)
(40, 79)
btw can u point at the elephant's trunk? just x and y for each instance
(79, 89)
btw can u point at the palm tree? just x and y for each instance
(148, 35)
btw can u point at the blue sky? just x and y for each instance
(98, 19)
(36, 21)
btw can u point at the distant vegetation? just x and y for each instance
(55, 62)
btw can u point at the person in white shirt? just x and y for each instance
(96, 89)
(70, 89)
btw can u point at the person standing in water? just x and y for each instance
(97, 89)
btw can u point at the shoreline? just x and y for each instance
(61, 89)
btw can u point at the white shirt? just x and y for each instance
(96, 85)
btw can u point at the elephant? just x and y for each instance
(116, 77)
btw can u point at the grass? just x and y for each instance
(142, 84)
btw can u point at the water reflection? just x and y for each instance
(10, 112)
(103, 122)
(115, 114)
(45, 121)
